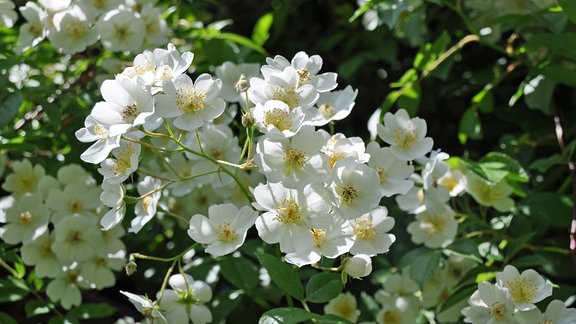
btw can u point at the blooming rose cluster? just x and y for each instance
(55, 219)
(73, 25)
(314, 193)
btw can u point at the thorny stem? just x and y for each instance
(572, 168)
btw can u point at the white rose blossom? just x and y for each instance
(224, 230)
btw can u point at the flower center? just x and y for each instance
(227, 232)
(190, 100)
(433, 224)
(129, 113)
(497, 310)
(100, 131)
(319, 236)
(26, 182)
(288, 212)
(26, 218)
(392, 316)
(122, 31)
(35, 29)
(294, 158)
(74, 237)
(75, 206)
(146, 202)
(382, 174)
(277, 117)
(335, 157)
(348, 194)
(123, 163)
(76, 29)
(327, 110)
(72, 277)
(522, 290)
(405, 138)
(286, 95)
(46, 250)
(303, 76)
(363, 228)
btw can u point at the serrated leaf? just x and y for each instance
(285, 315)
(282, 274)
(423, 267)
(9, 107)
(323, 287)
(240, 272)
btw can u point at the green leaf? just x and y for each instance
(529, 261)
(569, 8)
(562, 44)
(390, 11)
(285, 315)
(7, 319)
(261, 31)
(12, 290)
(37, 307)
(542, 165)
(332, 319)
(423, 267)
(282, 274)
(498, 162)
(410, 99)
(9, 107)
(247, 42)
(461, 294)
(484, 99)
(550, 208)
(470, 126)
(240, 272)
(538, 93)
(92, 310)
(467, 248)
(431, 52)
(515, 245)
(562, 72)
(323, 287)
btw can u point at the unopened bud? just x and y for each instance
(131, 266)
(248, 120)
(242, 84)
(358, 266)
